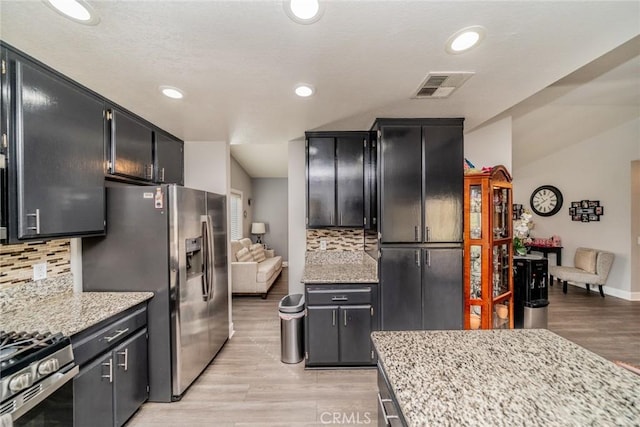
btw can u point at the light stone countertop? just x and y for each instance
(517, 377)
(339, 267)
(52, 306)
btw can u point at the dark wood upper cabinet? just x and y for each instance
(54, 129)
(421, 180)
(169, 159)
(321, 182)
(336, 178)
(131, 146)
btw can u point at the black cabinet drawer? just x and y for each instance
(336, 295)
(94, 341)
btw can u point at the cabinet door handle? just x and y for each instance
(383, 410)
(119, 332)
(417, 255)
(333, 318)
(345, 317)
(428, 258)
(428, 235)
(162, 175)
(110, 374)
(415, 233)
(125, 364)
(37, 217)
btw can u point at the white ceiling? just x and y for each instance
(238, 61)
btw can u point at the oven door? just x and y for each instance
(51, 407)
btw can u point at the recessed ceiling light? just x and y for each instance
(76, 10)
(303, 11)
(304, 90)
(171, 92)
(465, 39)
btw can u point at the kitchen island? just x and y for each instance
(502, 378)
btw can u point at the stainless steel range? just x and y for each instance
(33, 366)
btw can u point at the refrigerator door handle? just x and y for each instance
(209, 255)
(205, 261)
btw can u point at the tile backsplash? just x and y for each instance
(16, 261)
(343, 239)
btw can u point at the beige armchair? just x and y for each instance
(253, 270)
(591, 267)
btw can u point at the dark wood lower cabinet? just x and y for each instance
(113, 379)
(421, 288)
(338, 325)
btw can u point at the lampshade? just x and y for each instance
(258, 228)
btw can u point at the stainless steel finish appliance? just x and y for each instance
(33, 367)
(172, 241)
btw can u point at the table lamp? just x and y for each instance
(259, 229)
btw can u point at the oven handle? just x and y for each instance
(58, 380)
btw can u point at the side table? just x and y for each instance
(557, 250)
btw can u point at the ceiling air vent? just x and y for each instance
(441, 85)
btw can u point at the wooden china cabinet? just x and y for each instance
(488, 250)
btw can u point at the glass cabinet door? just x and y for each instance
(475, 212)
(501, 270)
(501, 218)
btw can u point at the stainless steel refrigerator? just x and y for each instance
(172, 241)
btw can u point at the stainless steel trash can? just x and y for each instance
(536, 314)
(291, 311)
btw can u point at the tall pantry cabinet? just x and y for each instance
(420, 206)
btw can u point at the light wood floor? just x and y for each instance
(247, 385)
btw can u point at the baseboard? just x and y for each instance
(614, 292)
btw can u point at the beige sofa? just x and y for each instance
(253, 270)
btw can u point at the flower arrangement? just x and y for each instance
(521, 228)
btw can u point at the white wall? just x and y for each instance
(490, 145)
(635, 225)
(297, 230)
(271, 201)
(240, 180)
(206, 166)
(598, 168)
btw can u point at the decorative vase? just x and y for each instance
(522, 251)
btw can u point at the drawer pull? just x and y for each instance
(342, 298)
(119, 332)
(333, 318)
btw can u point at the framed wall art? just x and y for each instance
(586, 210)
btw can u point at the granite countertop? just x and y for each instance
(504, 378)
(61, 309)
(339, 267)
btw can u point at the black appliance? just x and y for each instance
(531, 297)
(35, 374)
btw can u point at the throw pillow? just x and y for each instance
(586, 260)
(257, 251)
(244, 255)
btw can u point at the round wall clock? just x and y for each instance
(546, 200)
